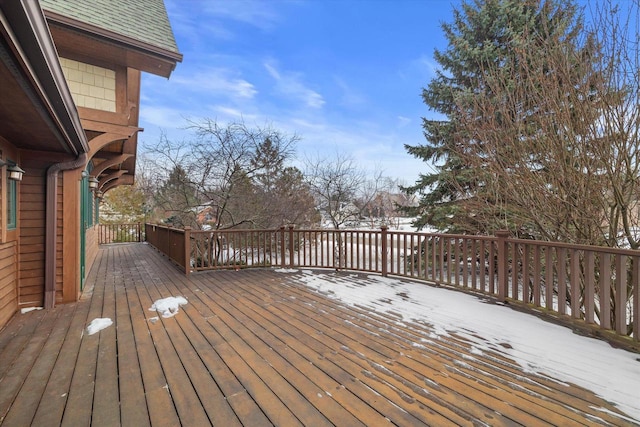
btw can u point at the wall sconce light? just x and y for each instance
(99, 194)
(93, 183)
(15, 172)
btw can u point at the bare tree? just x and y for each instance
(616, 29)
(232, 171)
(384, 209)
(554, 137)
(342, 190)
(555, 140)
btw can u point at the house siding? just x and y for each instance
(8, 277)
(31, 224)
(91, 86)
(42, 122)
(92, 247)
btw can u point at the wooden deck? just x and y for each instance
(253, 348)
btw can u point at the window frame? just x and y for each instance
(12, 202)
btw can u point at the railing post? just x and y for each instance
(187, 250)
(635, 291)
(503, 260)
(291, 248)
(139, 233)
(282, 246)
(384, 229)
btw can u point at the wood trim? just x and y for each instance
(121, 93)
(104, 165)
(111, 177)
(89, 115)
(70, 236)
(97, 126)
(133, 95)
(108, 36)
(78, 42)
(101, 141)
(123, 180)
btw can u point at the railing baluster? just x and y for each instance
(635, 291)
(525, 274)
(467, 271)
(493, 265)
(561, 254)
(537, 270)
(589, 287)
(549, 288)
(605, 291)
(455, 262)
(515, 270)
(483, 266)
(581, 281)
(474, 264)
(621, 295)
(574, 283)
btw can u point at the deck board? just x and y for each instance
(307, 336)
(257, 348)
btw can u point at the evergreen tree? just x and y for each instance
(482, 36)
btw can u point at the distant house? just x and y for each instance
(69, 105)
(206, 217)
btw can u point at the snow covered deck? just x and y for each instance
(292, 347)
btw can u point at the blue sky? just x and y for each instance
(346, 76)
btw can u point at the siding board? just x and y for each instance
(32, 238)
(8, 282)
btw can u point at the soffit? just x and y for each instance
(87, 30)
(36, 109)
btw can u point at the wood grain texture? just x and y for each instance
(253, 348)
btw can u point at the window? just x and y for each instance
(90, 208)
(97, 211)
(12, 204)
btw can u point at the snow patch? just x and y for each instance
(537, 346)
(98, 324)
(28, 309)
(168, 307)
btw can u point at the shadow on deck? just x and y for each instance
(252, 348)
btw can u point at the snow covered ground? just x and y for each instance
(538, 346)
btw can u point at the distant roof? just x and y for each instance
(144, 21)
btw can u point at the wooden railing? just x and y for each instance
(120, 233)
(173, 242)
(595, 287)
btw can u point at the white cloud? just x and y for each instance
(349, 97)
(228, 114)
(272, 71)
(291, 85)
(421, 69)
(403, 121)
(220, 81)
(164, 117)
(257, 13)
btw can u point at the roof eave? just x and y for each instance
(32, 41)
(151, 51)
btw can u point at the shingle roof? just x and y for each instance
(142, 20)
